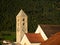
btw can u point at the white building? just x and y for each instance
(32, 39)
(22, 35)
(6, 42)
(40, 30)
(21, 25)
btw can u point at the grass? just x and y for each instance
(8, 35)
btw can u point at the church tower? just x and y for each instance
(21, 25)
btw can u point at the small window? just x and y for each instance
(23, 23)
(23, 19)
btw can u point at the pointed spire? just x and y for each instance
(21, 13)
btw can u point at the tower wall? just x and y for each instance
(21, 25)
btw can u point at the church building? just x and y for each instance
(22, 35)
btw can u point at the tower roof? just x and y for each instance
(21, 13)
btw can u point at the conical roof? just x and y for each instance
(21, 13)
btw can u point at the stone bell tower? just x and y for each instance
(21, 25)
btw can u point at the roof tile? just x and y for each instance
(34, 38)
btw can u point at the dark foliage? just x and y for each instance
(38, 11)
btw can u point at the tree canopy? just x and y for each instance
(38, 11)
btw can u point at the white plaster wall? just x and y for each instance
(35, 43)
(20, 28)
(39, 30)
(25, 40)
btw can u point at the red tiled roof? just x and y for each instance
(54, 40)
(34, 38)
